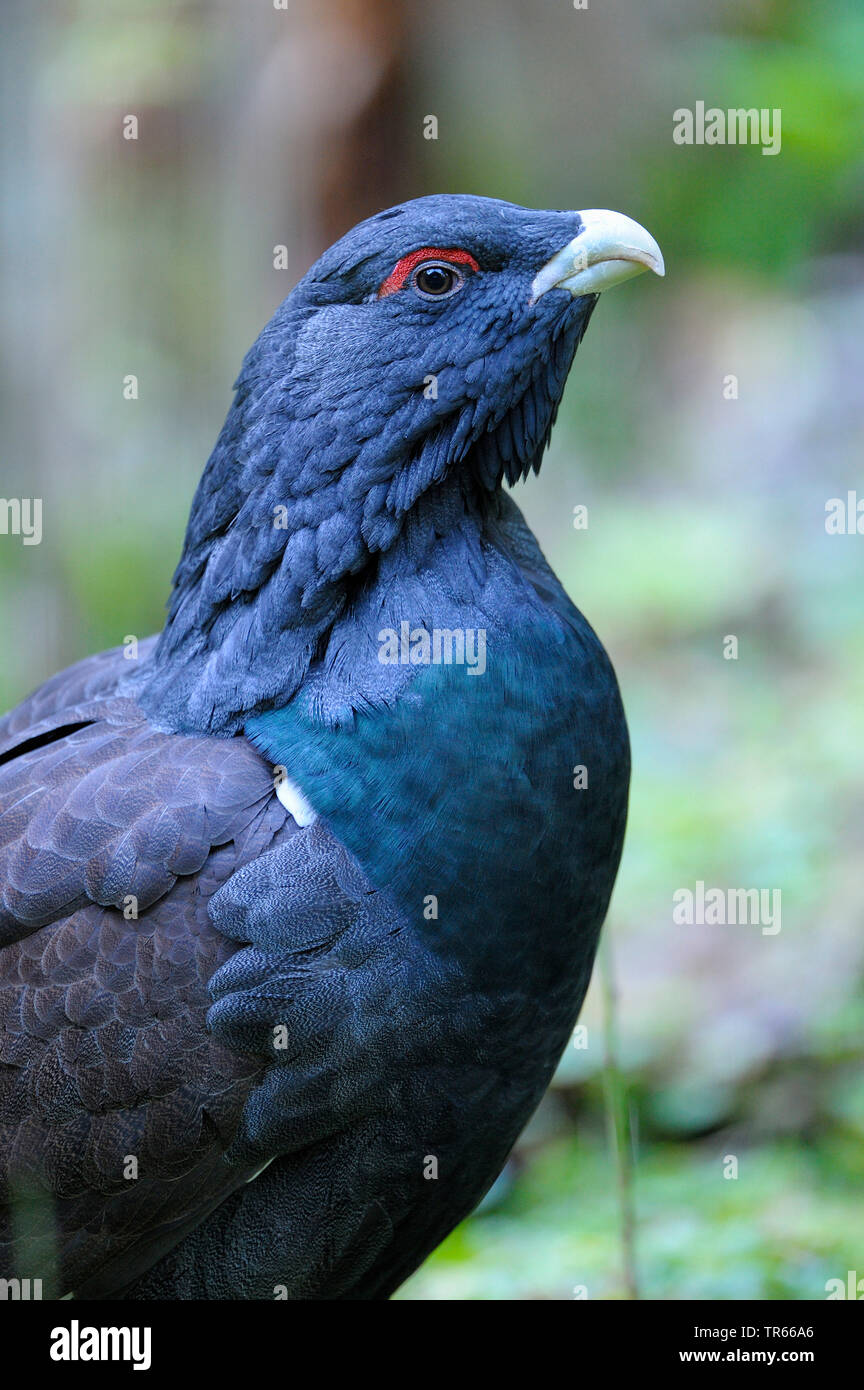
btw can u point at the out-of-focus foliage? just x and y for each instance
(706, 514)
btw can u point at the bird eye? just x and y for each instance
(432, 272)
(436, 280)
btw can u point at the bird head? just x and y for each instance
(425, 352)
(440, 333)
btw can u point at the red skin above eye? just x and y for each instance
(403, 268)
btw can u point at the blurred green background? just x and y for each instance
(261, 127)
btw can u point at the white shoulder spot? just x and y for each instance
(259, 1171)
(295, 802)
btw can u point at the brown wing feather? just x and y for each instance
(116, 1106)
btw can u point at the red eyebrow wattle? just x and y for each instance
(403, 268)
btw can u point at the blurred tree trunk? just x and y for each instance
(371, 162)
(332, 96)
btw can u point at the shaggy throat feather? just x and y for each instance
(283, 539)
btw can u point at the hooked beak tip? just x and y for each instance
(609, 249)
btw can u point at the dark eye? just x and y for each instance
(436, 280)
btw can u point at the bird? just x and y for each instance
(300, 904)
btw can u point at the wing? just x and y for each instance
(116, 1104)
(377, 1056)
(80, 693)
